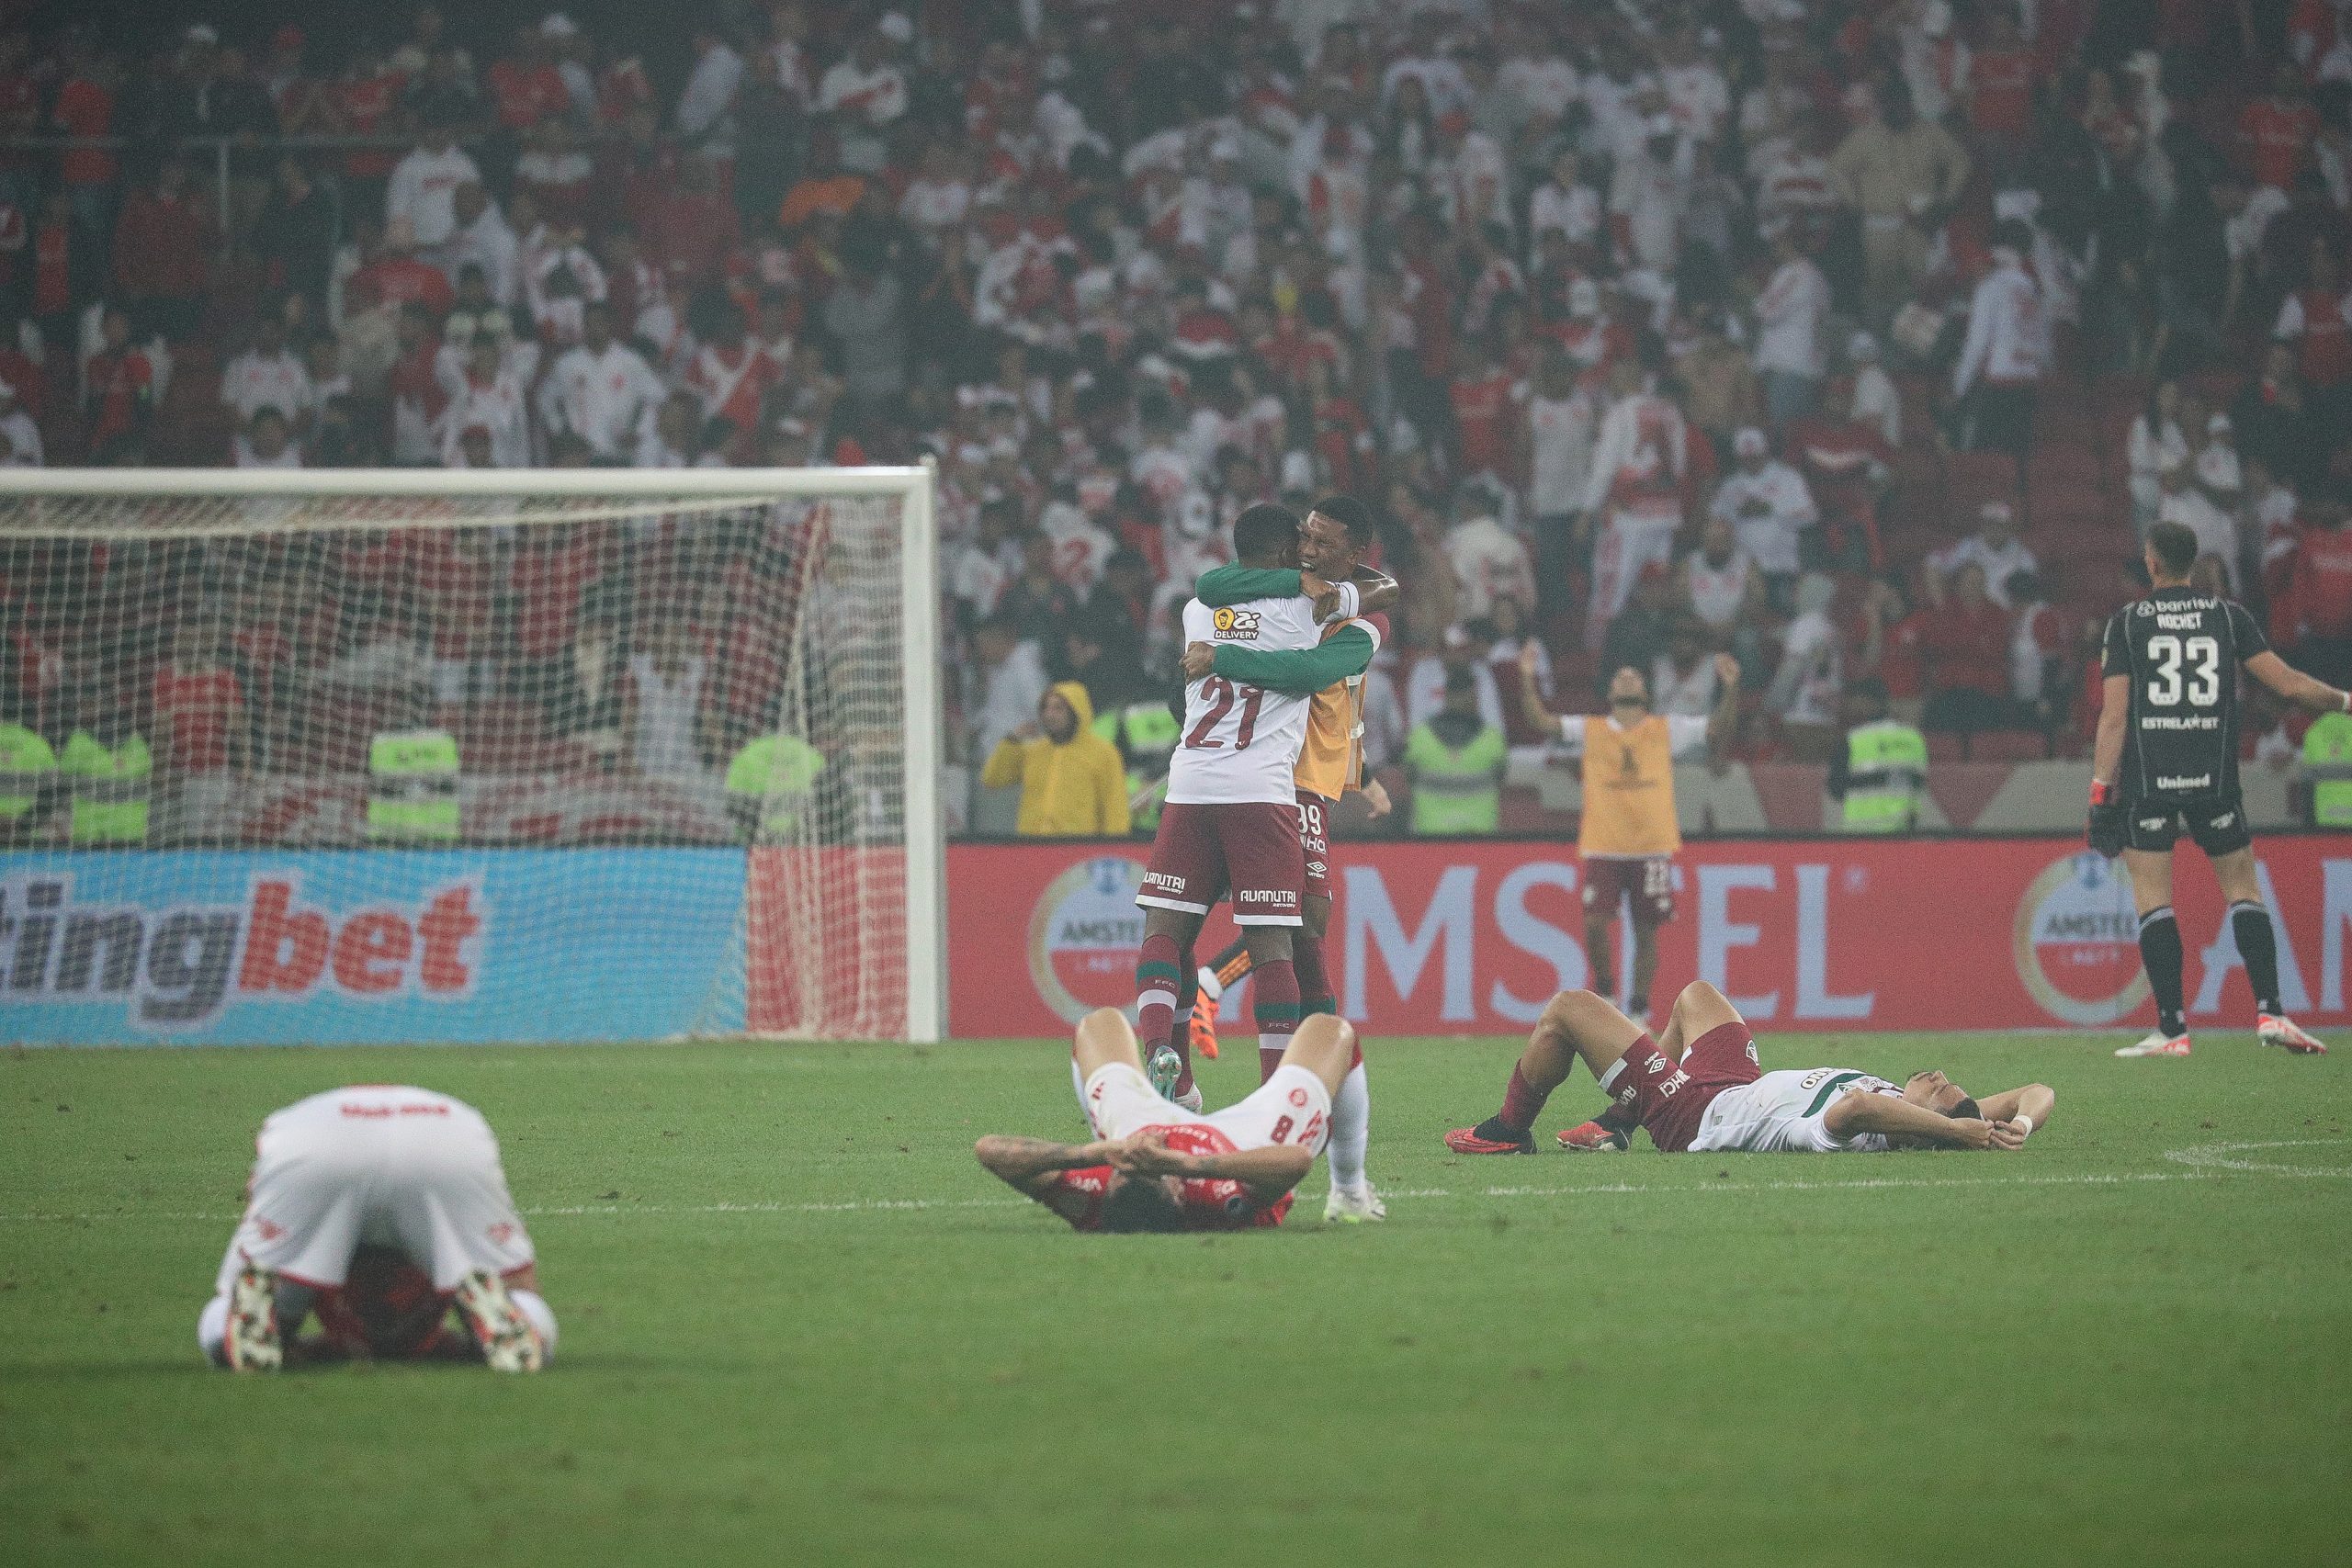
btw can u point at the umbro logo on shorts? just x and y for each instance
(2152, 824)
(2224, 820)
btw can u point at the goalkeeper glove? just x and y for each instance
(2110, 820)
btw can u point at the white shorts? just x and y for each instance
(395, 1167)
(1292, 1109)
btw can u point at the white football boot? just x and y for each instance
(2157, 1044)
(2276, 1029)
(1353, 1205)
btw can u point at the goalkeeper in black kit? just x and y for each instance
(2167, 759)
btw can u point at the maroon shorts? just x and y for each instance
(1314, 838)
(1249, 847)
(1670, 1099)
(1648, 884)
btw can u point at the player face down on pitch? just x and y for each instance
(1154, 1166)
(1700, 1087)
(379, 1211)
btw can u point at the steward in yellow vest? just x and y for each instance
(108, 787)
(413, 787)
(28, 773)
(1455, 760)
(2327, 763)
(1884, 766)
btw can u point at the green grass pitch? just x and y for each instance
(799, 1326)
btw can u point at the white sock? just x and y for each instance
(1350, 1128)
(1078, 1087)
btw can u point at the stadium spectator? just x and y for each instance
(2008, 350)
(1768, 506)
(1789, 317)
(601, 389)
(1425, 686)
(20, 443)
(202, 736)
(1995, 548)
(1901, 173)
(1072, 780)
(160, 244)
(662, 708)
(1964, 647)
(1806, 687)
(266, 440)
(422, 194)
(268, 375)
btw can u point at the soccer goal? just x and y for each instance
(409, 755)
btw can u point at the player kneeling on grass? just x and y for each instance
(1699, 1087)
(1153, 1165)
(377, 1210)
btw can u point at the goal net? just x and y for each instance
(422, 756)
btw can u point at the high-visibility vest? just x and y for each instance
(1886, 763)
(412, 786)
(2327, 763)
(777, 775)
(1456, 789)
(109, 788)
(1145, 734)
(26, 764)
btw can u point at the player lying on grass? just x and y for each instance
(377, 1210)
(1154, 1166)
(1699, 1087)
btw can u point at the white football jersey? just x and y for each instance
(1240, 743)
(1783, 1113)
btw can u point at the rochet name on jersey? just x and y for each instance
(1241, 743)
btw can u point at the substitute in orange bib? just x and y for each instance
(1630, 834)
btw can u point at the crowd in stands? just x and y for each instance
(1858, 338)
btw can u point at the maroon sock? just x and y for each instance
(1157, 967)
(1314, 980)
(1523, 1102)
(1273, 1002)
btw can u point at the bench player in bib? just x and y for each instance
(378, 1210)
(1154, 1166)
(1332, 542)
(1699, 1087)
(2167, 757)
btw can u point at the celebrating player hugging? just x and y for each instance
(1699, 1087)
(1233, 826)
(378, 1208)
(2167, 755)
(1155, 1165)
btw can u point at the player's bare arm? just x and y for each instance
(2292, 685)
(1722, 722)
(1859, 1112)
(1531, 696)
(1028, 1164)
(1267, 1173)
(2032, 1103)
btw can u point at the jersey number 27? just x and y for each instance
(1221, 695)
(2204, 684)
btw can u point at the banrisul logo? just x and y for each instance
(1083, 936)
(2078, 942)
(178, 965)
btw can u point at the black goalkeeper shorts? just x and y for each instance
(2218, 827)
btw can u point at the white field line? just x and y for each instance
(2216, 1157)
(1614, 1189)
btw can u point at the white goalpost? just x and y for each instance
(423, 755)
